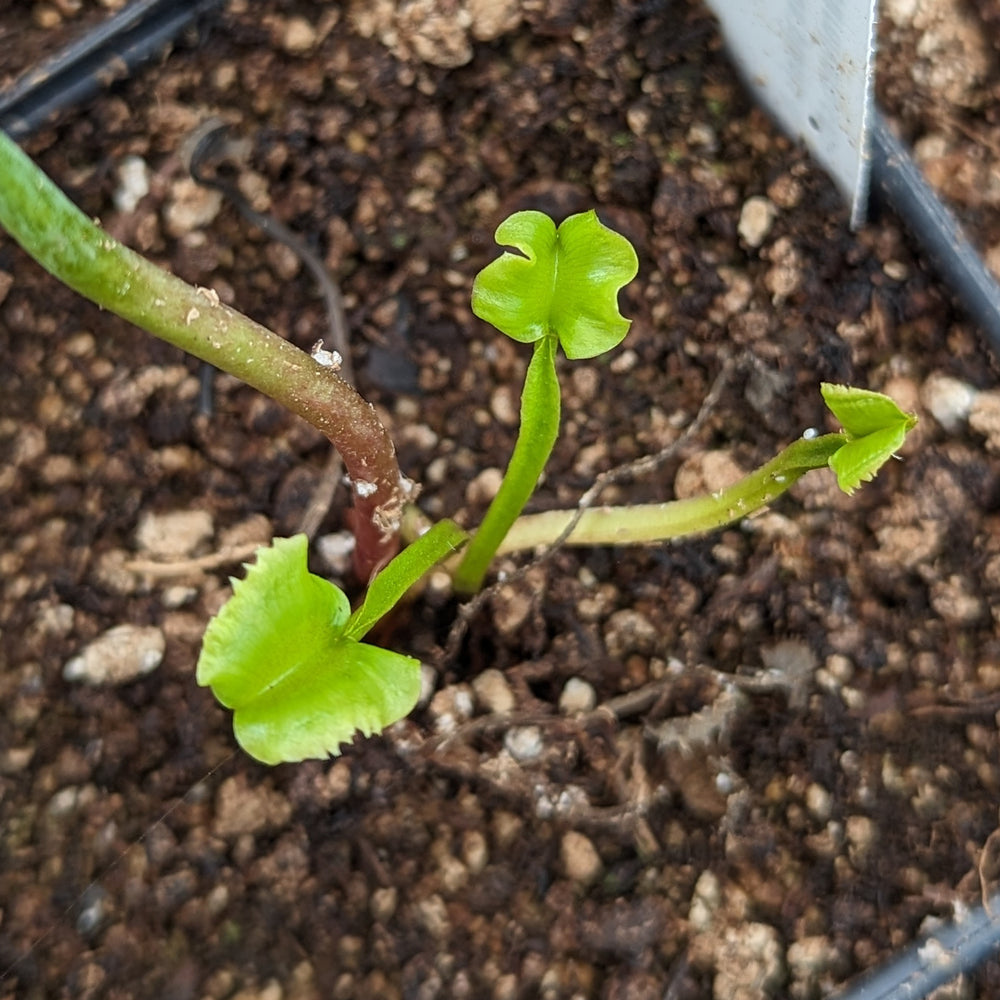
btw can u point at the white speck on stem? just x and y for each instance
(328, 359)
(365, 489)
(192, 315)
(210, 293)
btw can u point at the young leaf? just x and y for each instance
(277, 654)
(402, 573)
(345, 688)
(859, 459)
(875, 429)
(565, 281)
(277, 617)
(861, 411)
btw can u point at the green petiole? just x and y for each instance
(644, 524)
(536, 439)
(874, 429)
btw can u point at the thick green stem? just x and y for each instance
(536, 438)
(643, 524)
(80, 254)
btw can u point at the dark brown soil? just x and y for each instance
(793, 759)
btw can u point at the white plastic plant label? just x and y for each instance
(810, 63)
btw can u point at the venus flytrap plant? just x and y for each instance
(286, 652)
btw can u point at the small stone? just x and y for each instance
(383, 903)
(450, 707)
(785, 191)
(705, 901)
(948, 399)
(191, 206)
(16, 759)
(475, 851)
(756, 218)
(707, 472)
(336, 786)
(271, 990)
(524, 743)
(428, 684)
(580, 860)
(177, 596)
(819, 802)
(984, 417)
(629, 631)
(492, 18)
(956, 601)
(810, 958)
(174, 535)
(493, 693)
(749, 963)
(785, 274)
(336, 550)
(434, 31)
(255, 529)
(46, 16)
(511, 609)
(432, 915)
(507, 828)
(56, 619)
(504, 406)
(133, 183)
(862, 836)
(896, 270)
(452, 874)
(122, 654)
(483, 488)
(244, 809)
(577, 696)
(505, 988)
(299, 36)
(624, 362)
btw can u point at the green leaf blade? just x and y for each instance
(258, 633)
(566, 282)
(514, 292)
(862, 411)
(875, 429)
(277, 654)
(860, 459)
(595, 263)
(312, 712)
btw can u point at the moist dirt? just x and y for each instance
(749, 765)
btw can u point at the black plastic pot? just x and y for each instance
(898, 185)
(109, 52)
